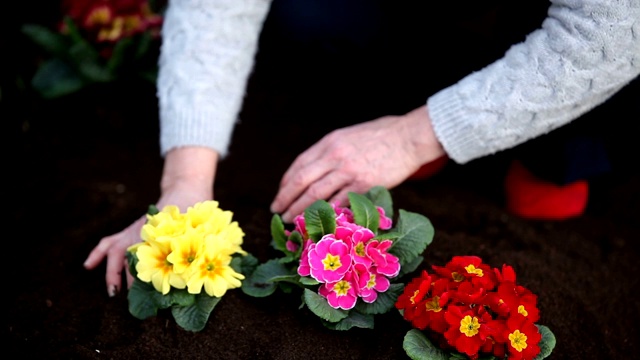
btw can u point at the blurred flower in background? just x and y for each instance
(97, 41)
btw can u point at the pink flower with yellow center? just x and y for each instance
(385, 263)
(329, 260)
(370, 283)
(341, 294)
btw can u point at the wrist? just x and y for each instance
(424, 141)
(189, 167)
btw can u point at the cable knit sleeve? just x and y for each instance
(584, 52)
(207, 53)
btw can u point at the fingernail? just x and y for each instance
(113, 290)
(286, 217)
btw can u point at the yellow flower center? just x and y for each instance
(331, 262)
(518, 340)
(342, 287)
(473, 270)
(457, 277)
(433, 304)
(372, 281)
(413, 298)
(469, 326)
(522, 311)
(359, 249)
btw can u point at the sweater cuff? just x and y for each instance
(191, 128)
(450, 120)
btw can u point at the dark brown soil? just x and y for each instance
(85, 166)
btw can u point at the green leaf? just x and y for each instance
(380, 196)
(547, 342)
(320, 219)
(143, 300)
(355, 319)
(132, 260)
(180, 297)
(152, 209)
(319, 306)
(195, 317)
(118, 55)
(364, 212)
(52, 42)
(410, 267)
(277, 233)
(259, 283)
(392, 235)
(308, 281)
(55, 78)
(418, 347)
(385, 301)
(417, 232)
(244, 264)
(292, 279)
(144, 43)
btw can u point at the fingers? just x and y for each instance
(302, 175)
(323, 188)
(115, 265)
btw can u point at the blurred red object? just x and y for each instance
(111, 20)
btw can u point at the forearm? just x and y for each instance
(584, 53)
(189, 167)
(207, 54)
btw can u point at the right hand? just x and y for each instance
(187, 178)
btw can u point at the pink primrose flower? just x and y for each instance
(330, 259)
(385, 263)
(370, 283)
(291, 246)
(300, 226)
(385, 222)
(304, 269)
(341, 294)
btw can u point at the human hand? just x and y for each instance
(187, 179)
(384, 151)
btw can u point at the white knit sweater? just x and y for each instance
(584, 52)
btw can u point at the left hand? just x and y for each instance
(384, 151)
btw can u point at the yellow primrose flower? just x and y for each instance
(153, 266)
(184, 251)
(212, 269)
(167, 223)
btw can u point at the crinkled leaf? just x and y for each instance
(118, 55)
(144, 300)
(319, 306)
(391, 235)
(152, 209)
(364, 212)
(385, 301)
(52, 42)
(195, 316)
(180, 297)
(244, 264)
(355, 319)
(410, 267)
(419, 347)
(144, 43)
(320, 219)
(292, 279)
(259, 283)
(547, 342)
(55, 78)
(132, 260)
(380, 196)
(277, 233)
(308, 281)
(417, 232)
